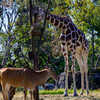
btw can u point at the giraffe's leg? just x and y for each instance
(80, 62)
(73, 72)
(85, 58)
(65, 53)
(66, 80)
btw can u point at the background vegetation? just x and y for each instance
(15, 40)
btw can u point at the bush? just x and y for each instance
(58, 91)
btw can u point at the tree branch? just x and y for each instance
(30, 11)
(97, 62)
(7, 51)
(43, 29)
(24, 58)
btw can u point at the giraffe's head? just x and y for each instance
(38, 13)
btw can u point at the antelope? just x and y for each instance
(24, 77)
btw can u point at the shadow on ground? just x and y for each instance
(91, 96)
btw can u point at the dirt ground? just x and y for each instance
(91, 96)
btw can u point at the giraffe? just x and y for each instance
(72, 40)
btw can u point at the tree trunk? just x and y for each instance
(7, 52)
(35, 53)
(92, 49)
(36, 92)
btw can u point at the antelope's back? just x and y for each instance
(12, 76)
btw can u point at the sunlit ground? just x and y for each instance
(94, 95)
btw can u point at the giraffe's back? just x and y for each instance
(75, 41)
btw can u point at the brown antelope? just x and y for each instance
(24, 77)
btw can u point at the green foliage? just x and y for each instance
(83, 13)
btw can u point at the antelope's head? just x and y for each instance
(39, 14)
(53, 74)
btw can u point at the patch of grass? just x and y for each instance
(58, 91)
(95, 91)
(61, 91)
(19, 89)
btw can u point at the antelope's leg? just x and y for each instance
(3, 95)
(7, 87)
(85, 58)
(65, 53)
(25, 94)
(3, 91)
(73, 72)
(11, 92)
(80, 62)
(31, 93)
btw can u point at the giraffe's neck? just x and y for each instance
(63, 23)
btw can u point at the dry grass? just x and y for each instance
(92, 96)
